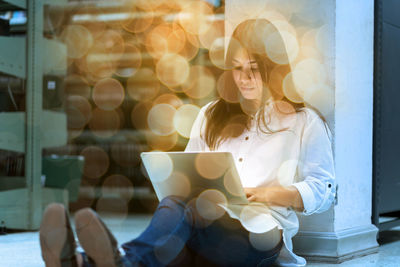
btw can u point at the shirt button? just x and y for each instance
(329, 185)
(247, 138)
(240, 159)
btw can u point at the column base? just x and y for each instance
(336, 247)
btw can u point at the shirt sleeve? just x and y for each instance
(316, 170)
(196, 142)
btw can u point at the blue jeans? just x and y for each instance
(179, 236)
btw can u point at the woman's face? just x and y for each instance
(246, 75)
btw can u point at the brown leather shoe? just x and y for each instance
(96, 239)
(56, 238)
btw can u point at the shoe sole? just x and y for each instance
(94, 239)
(53, 234)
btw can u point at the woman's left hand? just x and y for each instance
(259, 194)
(275, 196)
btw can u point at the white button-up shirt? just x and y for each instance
(300, 156)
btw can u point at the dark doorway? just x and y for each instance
(386, 145)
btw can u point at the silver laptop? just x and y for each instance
(191, 174)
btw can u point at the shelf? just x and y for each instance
(6, 5)
(13, 56)
(15, 206)
(53, 130)
(12, 135)
(55, 60)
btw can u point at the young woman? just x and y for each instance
(284, 158)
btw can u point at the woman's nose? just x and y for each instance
(245, 75)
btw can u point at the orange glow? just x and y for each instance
(211, 166)
(184, 118)
(215, 31)
(172, 70)
(118, 186)
(108, 94)
(103, 56)
(139, 115)
(96, 161)
(160, 142)
(293, 84)
(104, 123)
(143, 86)
(207, 204)
(78, 111)
(77, 85)
(200, 83)
(228, 93)
(129, 62)
(161, 167)
(160, 119)
(78, 40)
(170, 99)
(196, 16)
(139, 20)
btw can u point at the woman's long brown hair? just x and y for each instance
(230, 119)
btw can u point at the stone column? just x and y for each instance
(345, 231)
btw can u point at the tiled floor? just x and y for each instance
(23, 250)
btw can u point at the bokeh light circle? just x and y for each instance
(217, 52)
(161, 142)
(77, 85)
(178, 184)
(160, 167)
(231, 184)
(215, 31)
(170, 99)
(138, 21)
(196, 17)
(256, 218)
(293, 83)
(78, 40)
(321, 97)
(104, 123)
(79, 111)
(108, 94)
(118, 207)
(207, 204)
(282, 47)
(264, 241)
(211, 165)
(313, 68)
(224, 88)
(161, 119)
(96, 161)
(139, 115)
(184, 118)
(117, 186)
(129, 62)
(201, 82)
(172, 70)
(143, 85)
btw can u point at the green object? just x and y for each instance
(63, 172)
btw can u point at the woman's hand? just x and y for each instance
(276, 196)
(259, 194)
